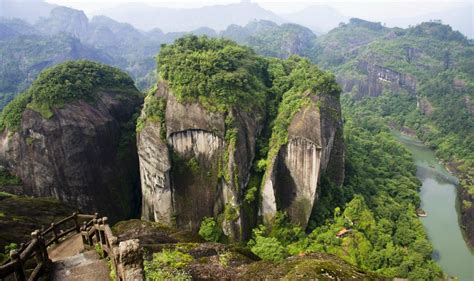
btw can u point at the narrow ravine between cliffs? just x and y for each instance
(439, 201)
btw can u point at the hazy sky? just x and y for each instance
(369, 9)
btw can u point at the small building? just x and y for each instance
(343, 232)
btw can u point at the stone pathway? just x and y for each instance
(71, 263)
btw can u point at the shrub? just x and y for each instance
(251, 194)
(209, 230)
(168, 265)
(216, 72)
(63, 83)
(268, 248)
(7, 179)
(231, 213)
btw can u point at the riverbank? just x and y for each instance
(466, 200)
(439, 198)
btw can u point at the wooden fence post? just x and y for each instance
(55, 233)
(84, 234)
(96, 230)
(19, 271)
(39, 254)
(102, 231)
(76, 222)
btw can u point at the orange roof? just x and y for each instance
(342, 232)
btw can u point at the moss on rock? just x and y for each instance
(63, 83)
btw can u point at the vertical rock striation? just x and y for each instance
(74, 156)
(191, 171)
(83, 152)
(314, 144)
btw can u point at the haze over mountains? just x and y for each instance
(263, 120)
(319, 18)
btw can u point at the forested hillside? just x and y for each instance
(246, 143)
(418, 79)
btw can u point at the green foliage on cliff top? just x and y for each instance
(154, 110)
(75, 80)
(294, 81)
(64, 83)
(216, 72)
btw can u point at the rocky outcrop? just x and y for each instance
(193, 170)
(376, 79)
(314, 147)
(81, 155)
(65, 20)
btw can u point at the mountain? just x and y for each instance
(319, 18)
(270, 39)
(459, 18)
(419, 80)
(198, 141)
(71, 136)
(28, 10)
(62, 19)
(120, 44)
(25, 53)
(217, 17)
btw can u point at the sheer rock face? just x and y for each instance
(376, 79)
(194, 172)
(75, 156)
(314, 147)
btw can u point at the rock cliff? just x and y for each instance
(375, 78)
(201, 155)
(191, 170)
(314, 145)
(82, 152)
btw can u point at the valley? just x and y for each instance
(245, 148)
(439, 199)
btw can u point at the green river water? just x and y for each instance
(439, 200)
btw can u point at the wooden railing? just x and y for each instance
(93, 231)
(126, 261)
(98, 232)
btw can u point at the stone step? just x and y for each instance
(81, 267)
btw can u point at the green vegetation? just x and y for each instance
(72, 81)
(231, 213)
(294, 82)
(385, 236)
(7, 179)
(216, 72)
(24, 57)
(12, 113)
(22, 215)
(154, 110)
(268, 248)
(210, 230)
(64, 83)
(251, 194)
(167, 265)
(439, 109)
(98, 249)
(6, 254)
(272, 40)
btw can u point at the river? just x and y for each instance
(440, 201)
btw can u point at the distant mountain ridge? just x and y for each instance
(319, 18)
(121, 44)
(217, 17)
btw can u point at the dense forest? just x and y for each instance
(418, 80)
(377, 203)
